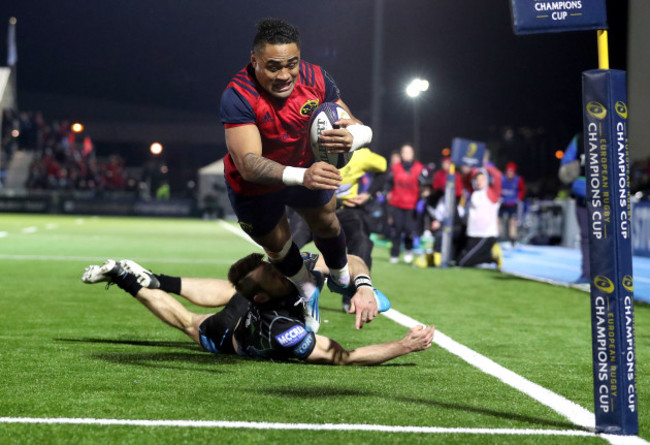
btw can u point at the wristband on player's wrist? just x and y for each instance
(293, 175)
(362, 280)
(361, 135)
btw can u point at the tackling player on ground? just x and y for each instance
(260, 318)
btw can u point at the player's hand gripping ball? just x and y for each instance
(323, 119)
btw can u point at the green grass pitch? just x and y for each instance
(71, 350)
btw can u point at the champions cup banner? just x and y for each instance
(608, 202)
(466, 152)
(537, 16)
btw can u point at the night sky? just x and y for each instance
(181, 53)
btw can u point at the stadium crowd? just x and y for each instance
(62, 158)
(418, 234)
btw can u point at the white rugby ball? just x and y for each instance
(323, 119)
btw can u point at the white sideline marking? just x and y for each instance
(3, 234)
(294, 426)
(571, 410)
(51, 226)
(616, 440)
(31, 229)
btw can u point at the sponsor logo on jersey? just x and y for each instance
(291, 336)
(308, 108)
(267, 118)
(304, 347)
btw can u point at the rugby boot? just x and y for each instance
(144, 277)
(310, 305)
(97, 274)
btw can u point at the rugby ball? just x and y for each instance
(323, 119)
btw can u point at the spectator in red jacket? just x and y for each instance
(513, 190)
(405, 178)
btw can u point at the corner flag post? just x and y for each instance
(464, 152)
(607, 175)
(603, 50)
(610, 250)
(448, 221)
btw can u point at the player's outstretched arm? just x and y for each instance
(363, 303)
(328, 351)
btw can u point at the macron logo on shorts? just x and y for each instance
(291, 336)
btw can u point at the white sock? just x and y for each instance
(305, 283)
(276, 257)
(341, 276)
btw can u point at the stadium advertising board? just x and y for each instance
(608, 202)
(25, 205)
(538, 16)
(466, 152)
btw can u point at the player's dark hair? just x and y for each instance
(238, 275)
(275, 32)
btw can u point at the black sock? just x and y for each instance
(333, 250)
(169, 284)
(128, 282)
(291, 263)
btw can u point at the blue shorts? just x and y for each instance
(216, 331)
(508, 211)
(258, 215)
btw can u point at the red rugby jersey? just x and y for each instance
(282, 122)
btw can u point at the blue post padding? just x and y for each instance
(608, 201)
(537, 16)
(448, 221)
(466, 152)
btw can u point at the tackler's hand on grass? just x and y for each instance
(364, 305)
(418, 338)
